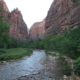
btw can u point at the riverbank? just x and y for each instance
(52, 71)
(28, 65)
(14, 53)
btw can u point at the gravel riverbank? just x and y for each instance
(52, 71)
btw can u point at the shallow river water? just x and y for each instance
(26, 66)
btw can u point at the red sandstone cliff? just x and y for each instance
(62, 15)
(37, 31)
(18, 28)
(4, 11)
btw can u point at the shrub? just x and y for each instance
(76, 1)
(77, 67)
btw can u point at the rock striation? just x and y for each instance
(4, 11)
(18, 28)
(62, 16)
(37, 31)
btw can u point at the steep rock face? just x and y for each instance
(4, 11)
(62, 15)
(37, 31)
(4, 6)
(18, 28)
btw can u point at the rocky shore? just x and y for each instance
(52, 71)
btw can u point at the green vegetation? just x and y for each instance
(67, 69)
(4, 31)
(10, 49)
(77, 67)
(4, 34)
(14, 53)
(76, 1)
(67, 44)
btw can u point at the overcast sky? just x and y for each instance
(32, 10)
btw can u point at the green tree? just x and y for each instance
(4, 33)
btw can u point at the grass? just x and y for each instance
(14, 53)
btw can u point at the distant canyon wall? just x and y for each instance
(37, 31)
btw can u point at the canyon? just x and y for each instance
(55, 62)
(62, 17)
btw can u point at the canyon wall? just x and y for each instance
(4, 11)
(62, 16)
(37, 31)
(18, 28)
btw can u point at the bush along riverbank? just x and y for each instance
(14, 53)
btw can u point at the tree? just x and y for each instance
(4, 33)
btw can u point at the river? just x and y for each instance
(26, 66)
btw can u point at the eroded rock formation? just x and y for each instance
(62, 16)
(37, 31)
(4, 11)
(18, 28)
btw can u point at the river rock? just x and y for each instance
(52, 71)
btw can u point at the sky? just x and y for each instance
(32, 10)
